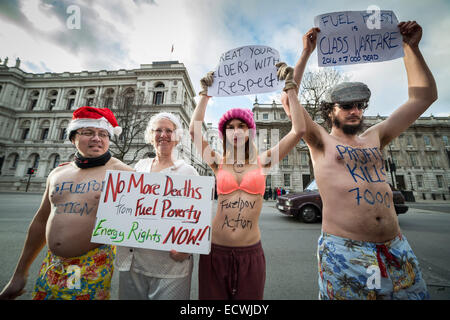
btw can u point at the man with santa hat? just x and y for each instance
(74, 268)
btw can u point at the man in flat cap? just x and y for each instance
(74, 268)
(361, 251)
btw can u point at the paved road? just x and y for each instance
(443, 207)
(289, 245)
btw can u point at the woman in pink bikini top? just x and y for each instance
(241, 181)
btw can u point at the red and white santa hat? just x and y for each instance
(102, 118)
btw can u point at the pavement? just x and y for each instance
(289, 245)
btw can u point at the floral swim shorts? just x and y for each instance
(359, 270)
(87, 277)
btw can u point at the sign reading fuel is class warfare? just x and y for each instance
(351, 37)
(155, 211)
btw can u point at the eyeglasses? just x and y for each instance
(349, 106)
(159, 132)
(91, 134)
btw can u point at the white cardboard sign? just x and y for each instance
(156, 211)
(352, 37)
(246, 70)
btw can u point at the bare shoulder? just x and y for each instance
(372, 135)
(62, 169)
(116, 164)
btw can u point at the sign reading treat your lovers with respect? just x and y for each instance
(246, 70)
(155, 211)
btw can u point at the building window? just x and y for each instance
(426, 140)
(419, 179)
(266, 137)
(25, 133)
(287, 180)
(51, 104)
(158, 96)
(413, 158)
(432, 158)
(108, 102)
(90, 96)
(63, 134)
(44, 134)
(265, 116)
(56, 161)
(52, 99)
(89, 101)
(445, 140)
(108, 98)
(71, 99)
(269, 181)
(440, 181)
(409, 140)
(128, 98)
(33, 104)
(33, 100)
(285, 161)
(394, 159)
(70, 103)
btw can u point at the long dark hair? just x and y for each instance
(251, 151)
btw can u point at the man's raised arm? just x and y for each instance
(422, 91)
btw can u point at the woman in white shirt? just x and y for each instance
(154, 274)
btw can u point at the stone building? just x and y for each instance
(421, 154)
(35, 110)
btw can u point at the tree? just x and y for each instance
(127, 106)
(313, 88)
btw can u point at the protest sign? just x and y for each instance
(246, 70)
(156, 211)
(352, 37)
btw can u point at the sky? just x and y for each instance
(123, 34)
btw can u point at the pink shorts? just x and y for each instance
(232, 273)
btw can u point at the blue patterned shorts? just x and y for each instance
(359, 270)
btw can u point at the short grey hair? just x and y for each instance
(163, 115)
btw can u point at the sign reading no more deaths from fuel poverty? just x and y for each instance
(246, 70)
(155, 211)
(352, 37)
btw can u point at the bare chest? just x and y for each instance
(76, 195)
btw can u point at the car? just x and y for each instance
(307, 205)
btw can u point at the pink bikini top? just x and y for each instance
(253, 182)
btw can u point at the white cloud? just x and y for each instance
(123, 34)
(40, 15)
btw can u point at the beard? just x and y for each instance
(349, 129)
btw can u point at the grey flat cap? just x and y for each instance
(348, 92)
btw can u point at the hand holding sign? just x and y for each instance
(286, 73)
(352, 37)
(246, 70)
(411, 32)
(206, 82)
(310, 40)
